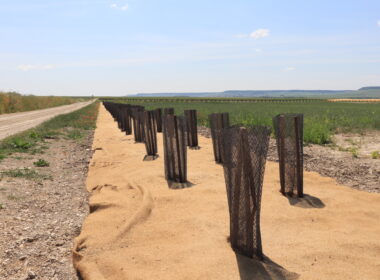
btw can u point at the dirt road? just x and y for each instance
(17, 122)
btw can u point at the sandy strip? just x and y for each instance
(357, 100)
(140, 229)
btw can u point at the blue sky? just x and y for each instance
(117, 47)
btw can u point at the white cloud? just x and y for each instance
(257, 50)
(122, 8)
(259, 33)
(29, 67)
(287, 69)
(26, 67)
(378, 23)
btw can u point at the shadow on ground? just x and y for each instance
(307, 201)
(254, 269)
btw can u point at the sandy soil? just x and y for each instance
(140, 229)
(40, 218)
(16, 122)
(355, 100)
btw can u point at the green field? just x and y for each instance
(322, 118)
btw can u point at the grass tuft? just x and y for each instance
(26, 173)
(375, 155)
(41, 163)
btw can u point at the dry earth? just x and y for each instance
(40, 218)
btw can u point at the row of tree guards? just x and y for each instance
(241, 150)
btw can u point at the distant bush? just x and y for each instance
(11, 102)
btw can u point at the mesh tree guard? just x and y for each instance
(289, 138)
(158, 119)
(168, 111)
(218, 121)
(138, 124)
(175, 153)
(127, 120)
(191, 128)
(245, 151)
(150, 135)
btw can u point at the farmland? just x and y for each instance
(322, 118)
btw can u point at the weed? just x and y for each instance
(353, 151)
(1, 206)
(26, 173)
(41, 163)
(74, 134)
(375, 155)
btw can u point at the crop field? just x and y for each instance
(322, 118)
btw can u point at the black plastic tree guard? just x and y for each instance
(289, 138)
(158, 119)
(245, 151)
(150, 135)
(218, 121)
(175, 152)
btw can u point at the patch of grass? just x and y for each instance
(1, 206)
(41, 163)
(26, 173)
(375, 155)
(33, 141)
(74, 134)
(353, 151)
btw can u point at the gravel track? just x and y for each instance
(17, 122)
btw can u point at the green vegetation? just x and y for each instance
(74, 134)
(375, 154)
(33, 141)
(41, 163)
(322, 118)
(26, 173)
(11, 102)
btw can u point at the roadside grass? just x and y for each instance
(26, 173)
(34, 141)
(11, 102)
